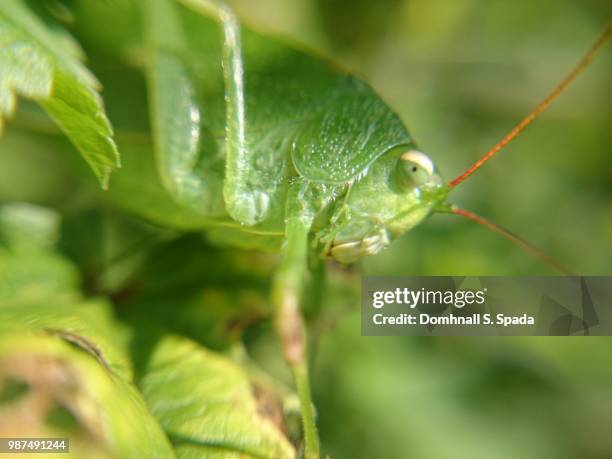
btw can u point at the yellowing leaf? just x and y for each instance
(107, 416)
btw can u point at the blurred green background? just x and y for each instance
(461, 73)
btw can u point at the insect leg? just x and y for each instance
(287, 291)
(175, 113)
(244, 201)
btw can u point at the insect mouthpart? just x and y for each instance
(349, 252)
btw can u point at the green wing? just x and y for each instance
(298, 105)
(303, 115)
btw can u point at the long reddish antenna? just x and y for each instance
(570, 77)
(512, 237)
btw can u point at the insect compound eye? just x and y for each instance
(414, 168)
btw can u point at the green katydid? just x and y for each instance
(314, 161)
(264, 146)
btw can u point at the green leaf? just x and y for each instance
(30, 278)
(26, 226)
(68, 357)
(39, 290)
(69, 394)
(213, 307)
(88, 326)
(30, 271)
(206, 405)
(107, 247)
(37, 63)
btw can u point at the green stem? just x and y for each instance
(311, 438)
